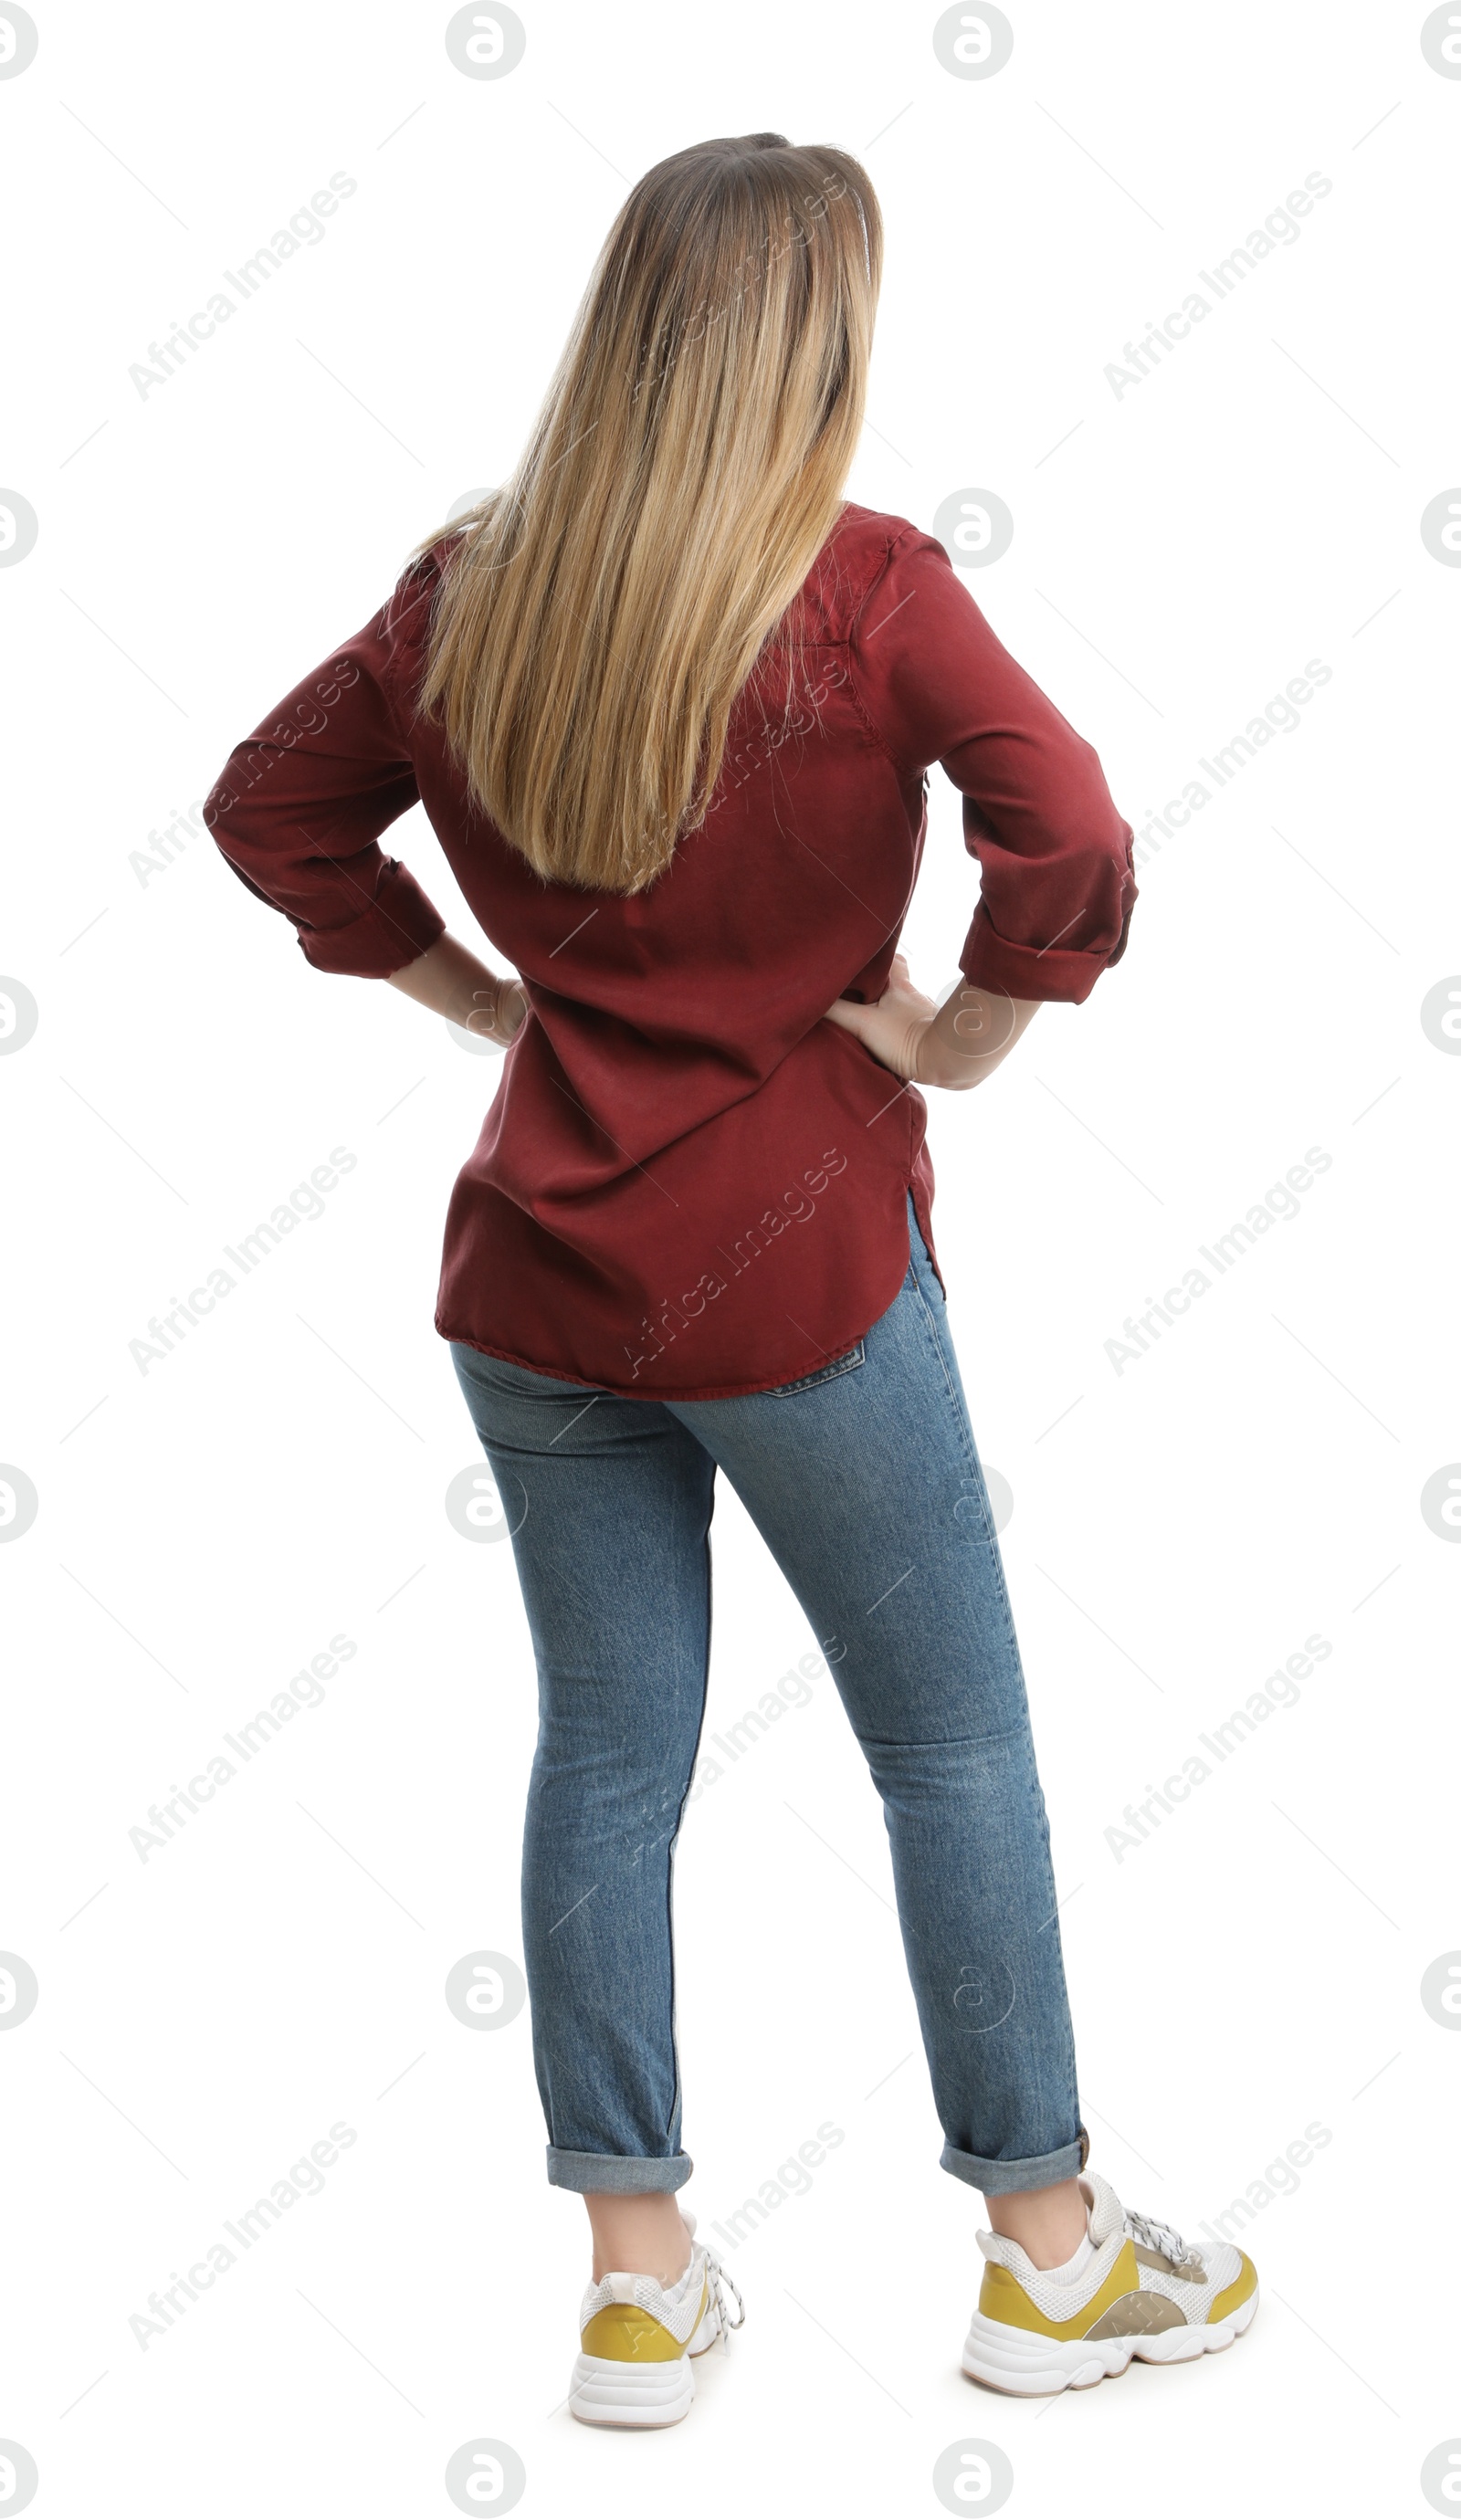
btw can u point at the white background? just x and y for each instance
(1179, 1527)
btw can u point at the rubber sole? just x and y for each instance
(640, 2397)
(1019, 2364)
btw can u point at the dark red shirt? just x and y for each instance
(688, 1185)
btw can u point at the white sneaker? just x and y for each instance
(638, 2338)
(1142, 2292)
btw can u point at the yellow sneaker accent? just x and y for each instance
(1245, 2281)
(1003, 2296)
(622, 2332)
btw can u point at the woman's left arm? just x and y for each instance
(449, 979)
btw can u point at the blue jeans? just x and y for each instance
(865, 1484)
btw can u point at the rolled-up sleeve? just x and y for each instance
(1056, 882)
(299, 810)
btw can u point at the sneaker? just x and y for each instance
(638, 2338)
(1142, 2291)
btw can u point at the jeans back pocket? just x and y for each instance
(847, 1364)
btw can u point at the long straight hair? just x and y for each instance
(606, 604)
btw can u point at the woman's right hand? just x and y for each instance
(953, 1045)
(894, 1026)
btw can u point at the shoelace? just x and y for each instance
(718, 2273)
(1160, 2236)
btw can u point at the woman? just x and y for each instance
(671, 701)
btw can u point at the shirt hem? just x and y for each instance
(637, 1391)
(719, 1390)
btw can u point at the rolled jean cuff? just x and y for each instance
(1009, 2178)
(618, 2173)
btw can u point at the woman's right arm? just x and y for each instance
(956, 1044)
(1057, 886)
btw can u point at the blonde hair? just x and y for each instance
(609, 603)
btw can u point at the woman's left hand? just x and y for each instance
(449, 979)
